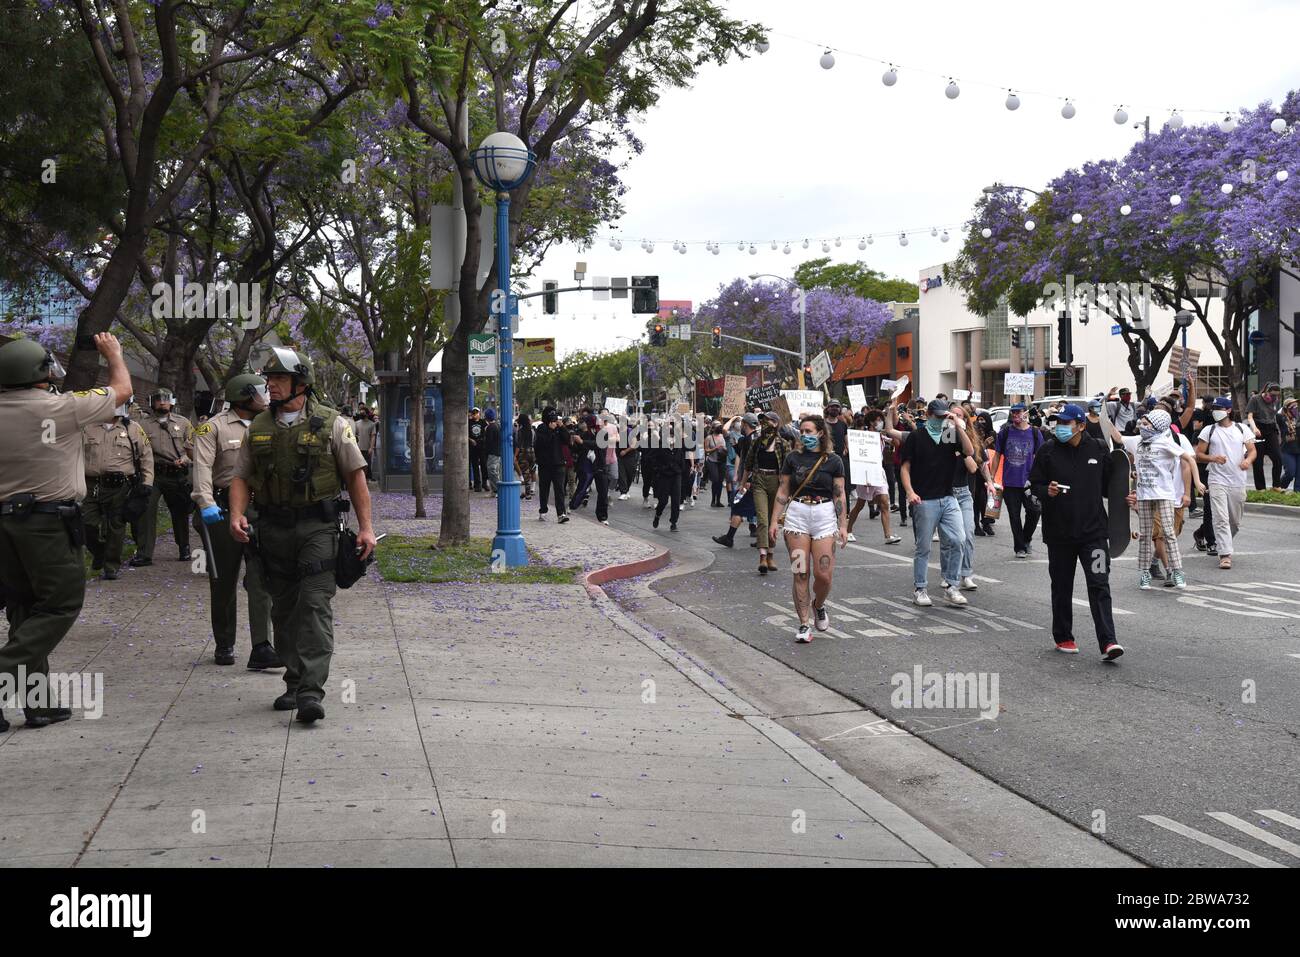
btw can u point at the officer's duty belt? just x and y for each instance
(172, 469)
(108, 479)
(328, 511)
(13, 507)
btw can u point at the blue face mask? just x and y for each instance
(810, 442)
(1064, 433)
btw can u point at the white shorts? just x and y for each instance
(815, 520)
(868, 492)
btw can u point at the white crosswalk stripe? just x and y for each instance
(1242, 826)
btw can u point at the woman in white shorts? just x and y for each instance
(874, 421)
(812, 501)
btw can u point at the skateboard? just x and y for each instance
(1117, 510)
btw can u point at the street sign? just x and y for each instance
(1258, 336)
(685, 331)
(1069, 375)
(483, 354)
(599, 295)
(821, 368)
(674, 332)
(618, 287)
(758, 359)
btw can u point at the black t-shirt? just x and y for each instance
(839, 432)
(934, 464)
(1094, 429)
(797, 465)
(476, 430)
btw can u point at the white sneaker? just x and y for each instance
(803, 635)
(821, 619)
(892, 540)
(623, 497)
(968, 584)
(541, 518)
(604, 521)
(692, 503)
(852, 537)
(953, 596)
(922, 598)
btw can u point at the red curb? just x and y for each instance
(593, 580)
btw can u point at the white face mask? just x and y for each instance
(1220, 415)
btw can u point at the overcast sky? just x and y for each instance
(775, 147)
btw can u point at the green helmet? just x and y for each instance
(244, 387)
(285, 361)
(26, 362)
(162, 395)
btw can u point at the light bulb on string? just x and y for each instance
(1125, 209)
(902, 239)
(952, 90)
(1077, 218)
(1228, 123)
(944, 237)
(1226, 189)
(934, 230)
(1068, 110)
(682, 249)
(1175, 121)
(862, 244)
(1013, 101)
(716, 249)
(753, 250)
(871, 240)
(741, 247)
(1029, 225)
(805, 244)
(1278, 125)
(774, 245)
(986, 233)
(826, 247)
(837, 242)
(786, 249)
(1121, 116)
(1281, 175)
(890, 76)
(1175, 200)
(828, 59)
(762, 46)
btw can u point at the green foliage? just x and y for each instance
(855, 277)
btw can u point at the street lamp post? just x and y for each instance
(803, 318)
(502, 163)
(640, 399)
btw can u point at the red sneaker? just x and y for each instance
(1069, 647)
(1113, 651)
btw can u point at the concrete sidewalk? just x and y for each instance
(516, 725)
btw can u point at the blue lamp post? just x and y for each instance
(502, 163)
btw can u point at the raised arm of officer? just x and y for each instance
(351, 467)
(119, 379)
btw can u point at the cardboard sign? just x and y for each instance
(804, 400)
(616, 406)
(977, 397)
(960, 395)
(1018, 383)
(866, 459)
(888, 385)
(899, 387)
(1183, 362)
(762, 396)
(857, 397)
(683, 408)
(733, 397)
(822, 367)
(782, 408)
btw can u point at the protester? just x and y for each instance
(670, 464)
(874, 421)
(1290, 445)
(1261, 416)
(715, 462)
(811, 501)
(1228, 449)
(477, 458)
(1071, 476)
(762, 463)
(1123, 413)
(742, 507)
(550, 446)
(491, 451)
(1018, 443)
(931, 456)
(591, 470)
(963, 482)
(629, 457)
(525, 457)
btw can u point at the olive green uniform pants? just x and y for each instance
(764, 486)
(227, 555)
(101, 513)
(175, 490)
(44, 579)
(301, 609)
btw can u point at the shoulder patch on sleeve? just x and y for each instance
(85, 392)
(347, 432)
(203, 429)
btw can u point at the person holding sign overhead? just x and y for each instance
(866, 451)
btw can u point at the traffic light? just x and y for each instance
(717, 337)
(550, 299)
(1064, 344)
(659, 335)
(645, 295)
(1015, 338)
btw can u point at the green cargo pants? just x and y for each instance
(174, 489)
(44, 579)
(301, 609)
(227, 555)
(764, 486)
(101, 513)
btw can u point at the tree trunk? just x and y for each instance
(415, 374)
(175, 370)
(454, 528)
(99, 313)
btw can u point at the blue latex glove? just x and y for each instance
(211, 515)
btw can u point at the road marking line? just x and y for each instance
(1252, 610)
(1282, 818)
(1209, 841)
(848, 613)
(1083, 604)
(903, 559)
(1268, 837)
(975, 610)
(1289, 655)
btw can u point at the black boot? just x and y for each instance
(4, 725)
(263, 656)
(43, 717)
(185, 554)
(287, 701)
(140, 561)
(309, 710)
(224, 656)
(728, 539)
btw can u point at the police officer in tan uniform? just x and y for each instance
(42, 575)
(216, 448)
(119, 478)
(299, 457)
(171, 438)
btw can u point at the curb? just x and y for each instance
(594, 579)
(1265, 508)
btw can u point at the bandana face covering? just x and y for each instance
(934, 425)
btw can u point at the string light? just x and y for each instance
(1175, 121)
(1121, 116)
(1225, 189)
(890, 76)
(1068, 110)
(828, 60)
(952, 90)
(1077, 218)
(1013, 101)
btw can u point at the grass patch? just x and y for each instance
(406, 558)
(1268, 497)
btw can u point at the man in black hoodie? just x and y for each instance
(550, 463)
(1071, 477)
(591, 469)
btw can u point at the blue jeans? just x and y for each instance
(944, 513)
(1290, 469)
(966, 502)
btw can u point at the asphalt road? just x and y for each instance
(1177, 750)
